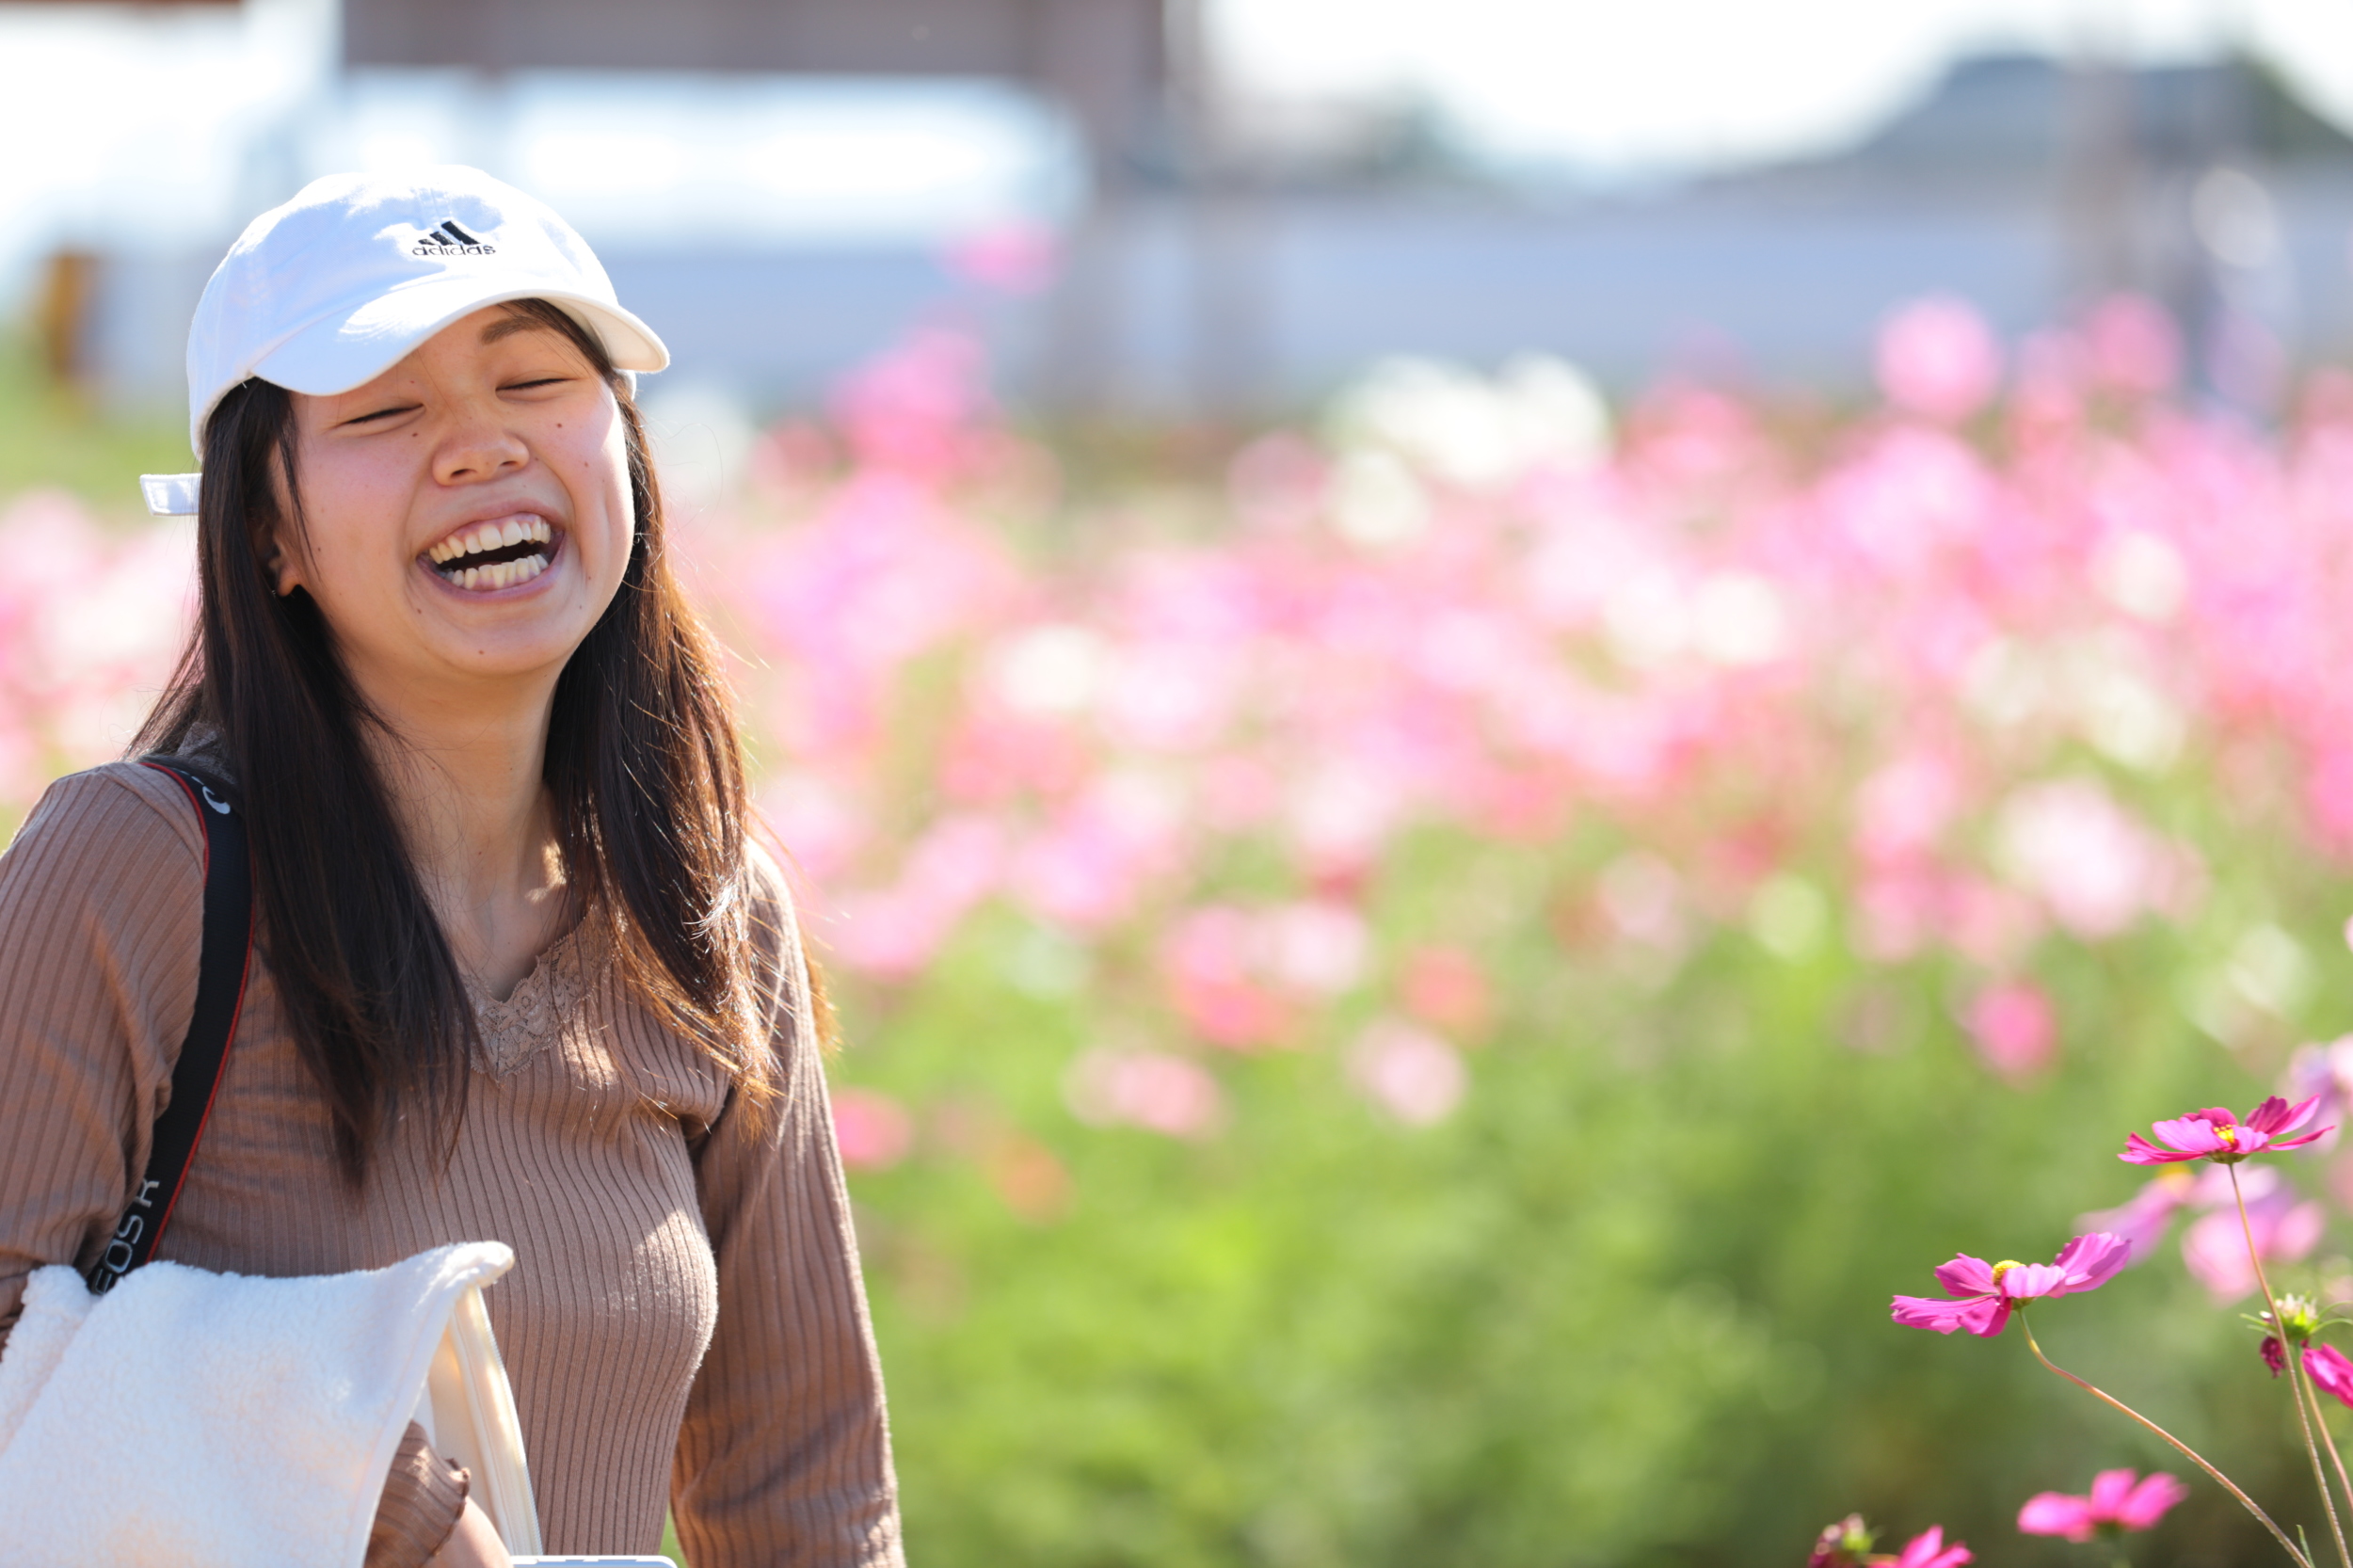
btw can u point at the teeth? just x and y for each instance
(493, 575)
(491, 536)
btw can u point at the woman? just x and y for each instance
(519, 973)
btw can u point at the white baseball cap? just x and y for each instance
(330, 290)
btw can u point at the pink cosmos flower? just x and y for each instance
(2285, 1229)
(2014, 1027)
(2148, 1214)
(2117, 1503)
(1847, 1545)
(2133, 346)
(873, 1131)
(1927, 1550)
(2328, 1366)
(2215, 1134)
(1446, 988)
(1010, 257)
(1154, 1089)
(2330, 1371)
(1983, 1293)
(1937, 358)
(1407, 1072)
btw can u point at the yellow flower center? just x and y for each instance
(2228, 1133)
(2005, 1267)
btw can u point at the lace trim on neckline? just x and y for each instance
(550, 1000)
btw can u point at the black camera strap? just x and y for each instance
(224, 960)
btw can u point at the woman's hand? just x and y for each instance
(473, 1545)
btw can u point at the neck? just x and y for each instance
(464, 773)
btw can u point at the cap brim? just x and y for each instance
(339, 352)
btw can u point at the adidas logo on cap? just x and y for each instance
(449, 240)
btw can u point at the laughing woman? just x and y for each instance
(518, 972)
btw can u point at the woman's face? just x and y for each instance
(466, 513)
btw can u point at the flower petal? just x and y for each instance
(1965, 1277)
(2330, 1371)
(2029, 1282)
(2143, 1219)
(2109, 1489)
(2193, 1133)
(2275, 1115)
(2091, 1261)
(1927, 1312)
(2139, 1151)
(1986, 1317)
(1927, 1550)
(2267, 1116)
(2151, 1500)
(1927, 1543)
(2302, 1138)
(2057, 1514)
(1983, 1316)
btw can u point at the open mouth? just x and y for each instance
(483, 558)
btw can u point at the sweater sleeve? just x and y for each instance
(423, 1494)
(784, 1461)
(101, 906)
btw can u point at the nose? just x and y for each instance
(478, 446)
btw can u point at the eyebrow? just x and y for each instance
(507, 326)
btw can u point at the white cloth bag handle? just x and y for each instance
(466, 1408)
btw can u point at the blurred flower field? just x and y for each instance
(1414, 990)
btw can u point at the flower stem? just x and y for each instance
(2306, 1405)
(2184, 1450)
(2328, 1438)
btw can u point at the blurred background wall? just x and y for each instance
(1186, 207)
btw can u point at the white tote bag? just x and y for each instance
(206, 1420)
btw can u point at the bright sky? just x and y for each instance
(1634, 84)
(138, 128)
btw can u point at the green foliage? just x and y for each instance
(1627, 1305)
(52, 436)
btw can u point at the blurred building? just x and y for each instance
(1068, 182)
(2023, 184)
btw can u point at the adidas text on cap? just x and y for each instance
(330, 290)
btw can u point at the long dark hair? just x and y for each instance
(644, 770)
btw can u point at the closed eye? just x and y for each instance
(381, 413)
(542, 381)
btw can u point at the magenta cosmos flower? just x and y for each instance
(1847, 1545)
(1927, 1550)
(2116, 1504)
(2215, 1134)
(1983, 1293)
(2327, 1366)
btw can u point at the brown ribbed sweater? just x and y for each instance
(685, 1322)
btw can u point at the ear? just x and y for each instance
(280, 565)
